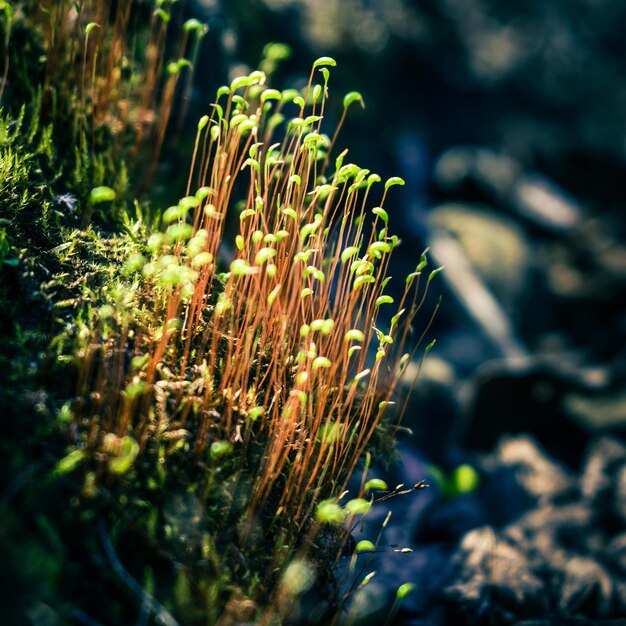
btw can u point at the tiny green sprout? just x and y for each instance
(325, 74)
(239, 242)
(273, 294)
(270, 270)
(256, 412)
(69, 463)
(194, 25)
(201, 259)
(364, 546)
(305, 329)
(219, 450)
(383, 300)
(404, 590)
(306, 292)
(173, 213)
(325, 61)
(289, 212)
(101, 194)
(385, 403)
(329, 512)
(434, 273)
(358, 506)
(240, 267)
(348, 253)
(309, 229)
(211, 212)
(289, 95)
(202, 122)
(394, 180)
(179, 232)
(367, 578)
(90, 27)
(299, 101)
(163, 15)
(379, 248)
(301, 395)
(236, 119)
(241, 103)
(321, 362)
(257, 77)
(372, 179)
(222, 91)
(239, 82)
(380, 212)
(465, 479)
(318, 325)
(270, 94)
(204, 192)
(354, 335)
(264, 255)
(351, 98)
(257, 237)
(423, 261)
(317, 92)
(363, 280)
(376, 483)
(430, 346)
(245, 214)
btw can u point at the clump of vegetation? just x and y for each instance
(216, 371)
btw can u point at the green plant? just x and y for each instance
(234, 363)
(277, 372)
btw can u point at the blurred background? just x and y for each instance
(508, 122)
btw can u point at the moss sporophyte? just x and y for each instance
(227, 384)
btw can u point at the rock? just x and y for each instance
(539, 386)
(542, 479)
(545, 204)
(495, 246)
(587, 588)
(603, 478)
(496, 584)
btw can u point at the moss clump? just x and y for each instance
(186, 426)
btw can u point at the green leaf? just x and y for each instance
(329, 512)
(376, 483)
(325, 61)
(90, 27)
(404, 590)
(434, 273)
(101, 194)
(358, 506)
(220, 449)
(365, 546)
(380, 212)
(465, 479)
(351, 98)
(394, 180)
(69, 463)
